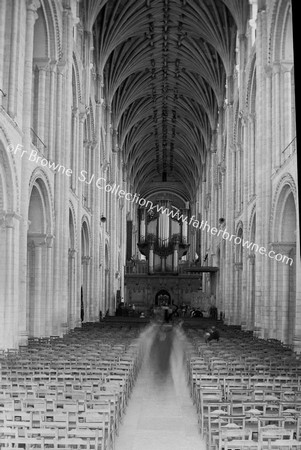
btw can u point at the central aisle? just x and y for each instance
(160, 414)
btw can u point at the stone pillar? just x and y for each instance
(49, 285)
(285, 269)
(51, 130)
(163, 263)
(252, 159)
(9, 297)
(274, 265)
(287, 109)
(75, 149)
(12, 83)
(59, 206)
(281, 287)
(184, 227)
(37, 300)
(244, 293)
(142, 224)
(31, 17)
(2, 45)
(175, 261)
(261, 169)
(71, 288)
(277, 126)
(250, 316)
(42, 67)
(237, 293)
(229, 248)
(266, 191)
(9, 294)
(151, 259)
(86, 286)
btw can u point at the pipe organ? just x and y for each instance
(163, 237)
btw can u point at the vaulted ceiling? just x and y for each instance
(164, 64)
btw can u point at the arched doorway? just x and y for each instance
(162, 298)
(39, 269)
(284, 270)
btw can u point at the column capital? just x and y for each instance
(238, 266)
(282, 247)
(82, 112)
(42, 63)
(251, 258)
(8, 219)
(286, 66)
(75, 112)
(61, 69)
(49, 240)
(36, 240)
(276, 67)
(86, 260)
(251, 117)
(243, 116)
(32, 5)
(268, 70)
(71, 253)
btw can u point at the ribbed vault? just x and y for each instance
(164, 66)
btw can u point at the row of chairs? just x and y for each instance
(68, 392)
(243, 396)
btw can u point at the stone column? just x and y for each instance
(175, 260)
(9, 295)
(59, 207)
(277, 126)
(37, 247)
(250, 292)
(266, 191)
(71, 289)
(31, 17)
(163, 263)
(12, 83)
(261, 169)
(184, 227)
(2, 45)
(74, 150)
(245, 222)
(86, 285)
(274, 265)
(42, 66)
(151, 258)
(49, 285)
(252, 159)
(237, 293)
(282, 291)
(285, 269)
(51, 130)
(287, 109)
(142, 224)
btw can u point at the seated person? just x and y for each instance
(211, 334)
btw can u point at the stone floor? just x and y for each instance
(160, 414)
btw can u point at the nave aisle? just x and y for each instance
(160, 414)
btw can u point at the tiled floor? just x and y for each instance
(160, 414)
